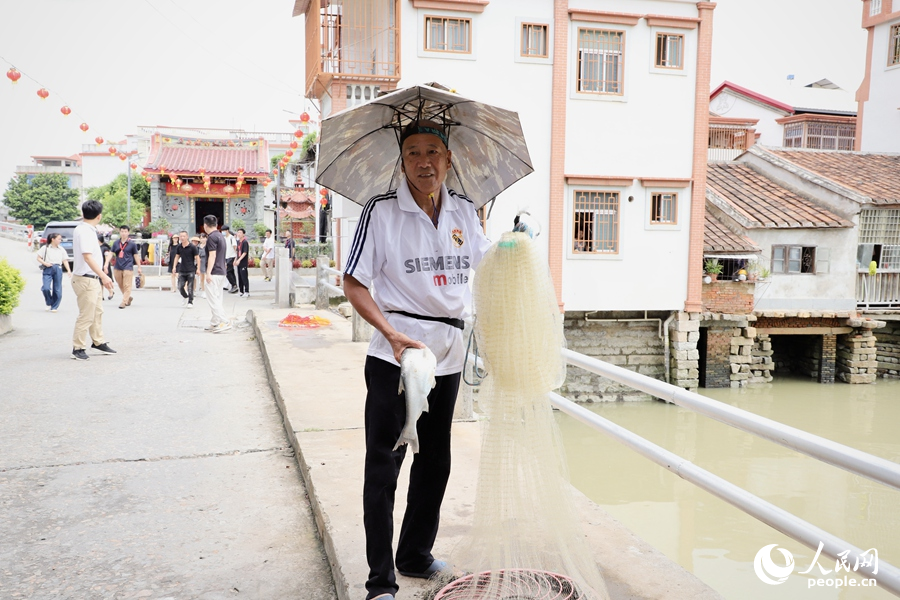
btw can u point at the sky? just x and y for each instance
(234, 63)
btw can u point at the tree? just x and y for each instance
(47, 197)
(114, 197)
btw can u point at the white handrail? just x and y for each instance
(888, 576)
(847, 458)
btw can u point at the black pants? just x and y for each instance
(243, 279)
(385, 416)
(186, 286)
(229, 272)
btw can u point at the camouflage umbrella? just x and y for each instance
(359, 151)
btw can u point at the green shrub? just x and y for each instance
(259, 229)
(306, 264)
(237, 224)
(11, 286)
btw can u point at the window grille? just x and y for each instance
(879, 226)
(448, 34)
(874, 7)
(601, 63)
(819, 135)
(534, 40)
(894, 57)
(596, 223)
(727, 137)
(669, 51)
(356, 37)
(793, 135)
(664, 209)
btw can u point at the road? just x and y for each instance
(161, 472)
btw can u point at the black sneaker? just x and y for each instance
(79, 354)
(104, 347)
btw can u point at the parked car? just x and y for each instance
(65, 229)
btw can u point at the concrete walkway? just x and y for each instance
(161, 472)
(317, 377)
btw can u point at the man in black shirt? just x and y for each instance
(187, 263)
(243, 263)
(215, 274)
(289, 243)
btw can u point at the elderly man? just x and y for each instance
(414, 247)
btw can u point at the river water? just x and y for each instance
(718, 542)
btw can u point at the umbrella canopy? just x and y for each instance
(359, 151)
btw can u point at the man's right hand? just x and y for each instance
(106, 282)
(400, 342)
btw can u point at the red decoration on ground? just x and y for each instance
(13, 75)
(65, 110)
(84, 127)
(43, 93)
(295, 321)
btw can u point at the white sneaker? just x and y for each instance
(190, 305)
(209, 327)
(221, 327)
(46, 308)
(184, 302)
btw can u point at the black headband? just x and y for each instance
(413, 129)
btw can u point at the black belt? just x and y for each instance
(458, 323)
(90, 276)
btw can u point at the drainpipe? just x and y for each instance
(666, 344)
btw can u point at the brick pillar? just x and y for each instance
(559, 100)
(718, 358)
(827, 358)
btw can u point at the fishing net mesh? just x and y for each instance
(524, 517)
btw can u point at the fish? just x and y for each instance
(417, 366)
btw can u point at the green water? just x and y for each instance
(718, 542)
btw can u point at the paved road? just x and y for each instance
(162, 472)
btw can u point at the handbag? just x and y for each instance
(42, 266)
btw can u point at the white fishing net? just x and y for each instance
(525, 532)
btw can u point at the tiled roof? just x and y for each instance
(718, 238)
(218, 157)
(757, 202)
(876, 176)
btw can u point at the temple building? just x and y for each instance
(194, 177)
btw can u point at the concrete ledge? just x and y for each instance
(317, 379)
(5, 324)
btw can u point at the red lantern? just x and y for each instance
(323, 191)
(178, 183)
(133, 166)
(99, 140)
(298, 134)
(289, 153)
(240, 170)
(187, 188)
(43, 93)
(275, 172)
(123, 156)
(112, 150)
(84, 127)
(13, 75)
(66, 111)
(228, 189)
(294, 145)
(304, 118)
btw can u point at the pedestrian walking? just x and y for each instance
(53, 259)
(88, 282)
(107, 261)
(215, 274)
(289, 243)
(173, 245)
(267, 261)
(203, 258)
(127, 256)
(187, 264)
(230, 255)
(243, 263)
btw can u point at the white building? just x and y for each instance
(879, 93)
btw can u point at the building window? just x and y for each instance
(664, 209)
(793, 135)
(820, 135)
(894, 57)
(534, 40)
(595, 228)
(601, 62)
(879, 238)
(874, 7)
(669, 51)
(448, 34)
(793, 259)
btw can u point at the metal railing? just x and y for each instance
(881, 290)
(850, 459)
(14, 231)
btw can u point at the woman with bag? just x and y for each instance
(52, 259)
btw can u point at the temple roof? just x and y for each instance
(222, 158)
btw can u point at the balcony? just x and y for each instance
(729, 138)
(881, 290)
(355, 40)
(37, 169)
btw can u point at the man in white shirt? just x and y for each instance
(415, 247)
(268, 255)
(230, 255)
(88, 281)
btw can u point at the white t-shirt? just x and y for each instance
(409, 265)
(52, 255)
(84, 241)
(230, 247)
(269, 247)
